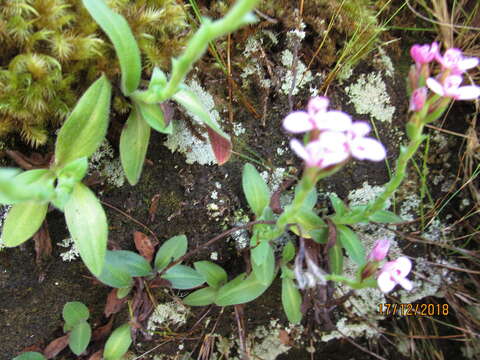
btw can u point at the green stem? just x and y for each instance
(197, 45)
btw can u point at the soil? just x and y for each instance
(33, 294)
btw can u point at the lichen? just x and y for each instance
(166, 315)
(300, 75)
(72, 253)
(370, 97)
(4, 209)
(104, 163)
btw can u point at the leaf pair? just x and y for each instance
(76, 315)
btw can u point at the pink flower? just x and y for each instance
(451, 88)
(328, 150)
(395, 273)
(418, 98)
(454, 61)
(317, 118)
(424, 54)
(361, 147)
(380, 250)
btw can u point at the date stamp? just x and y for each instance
(387, 309)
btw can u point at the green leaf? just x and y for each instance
(183, 277)
(352, 244)
(291, 301)
(16, 186)
(133, 146)
(240, 290)
(308, 221)
(122, 292)
(213, 274)
(79, 337)
(335, 258)
(73, 313)
(311, 199)
(86, 127)
(385, 216)
(30, 355)
(120, 34)
(115, 277)
(255, 189)
(128, 261)
(288, 252)
(319, 236)
(75, 170)
(263, 265)
(221, 145)
(338, 205)
(202, 297)
(152, 114)
(158, 80)
(118, 343)
(22, 222)
(88, 227)
(68, 176)
(171, 250)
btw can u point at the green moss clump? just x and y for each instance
(52, 50)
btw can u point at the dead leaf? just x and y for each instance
(55, 347)
(102, 332)
(43, 243)
(144, 245)
(113, 304)
(96, 356)
(159, 282)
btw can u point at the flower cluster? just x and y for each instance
(447, 83)
(333, 137)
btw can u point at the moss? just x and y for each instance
(52, 50)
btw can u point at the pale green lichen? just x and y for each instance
(72, 253)
(166, 315)
(4, 209)
(370, 97)
(182, 139)
(104, 163)
(300, 77)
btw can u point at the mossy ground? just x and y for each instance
(31, 308)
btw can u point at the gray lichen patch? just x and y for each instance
(107, 166)
(167, 315)
(369, 96)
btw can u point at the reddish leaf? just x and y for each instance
(168, 111)
(55, 347)
(43, 243)
(96, 356)
(34, 348)
(113, 304)
(102, 332)
(221, 146)
(153, 207)
(159, 282)
(144, 245)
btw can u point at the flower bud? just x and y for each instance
(380, 250)
(418, 98)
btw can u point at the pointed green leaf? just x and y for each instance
(263, 265)
(221, 145)
(120, 34)
(79, 337)
(158, 80)
(385, 216)
(338, 205)
(22, 222)
(183, 277)
(288, 252)
(118, 343)
(122, 292)
(16, 186)
(86, 127)
(213, 274)
(240, 290)
(335, 258)
(87, 223)
(133, 146)
(73, 313)
(115, 277)
(171, 250)
(291, 301)
(202, 297)
(311, 199)
(352, 244)
(255, 189)
(75, 170)
(30, 355)
(152, 114)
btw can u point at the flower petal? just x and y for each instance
(469, 92)
(403, 265)
(298, 122)
(435, 86)
(333, 120)
(300, 150)
(367, 149)
(360, 129)
(405, 283)
(385, 282)
(468, 63)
